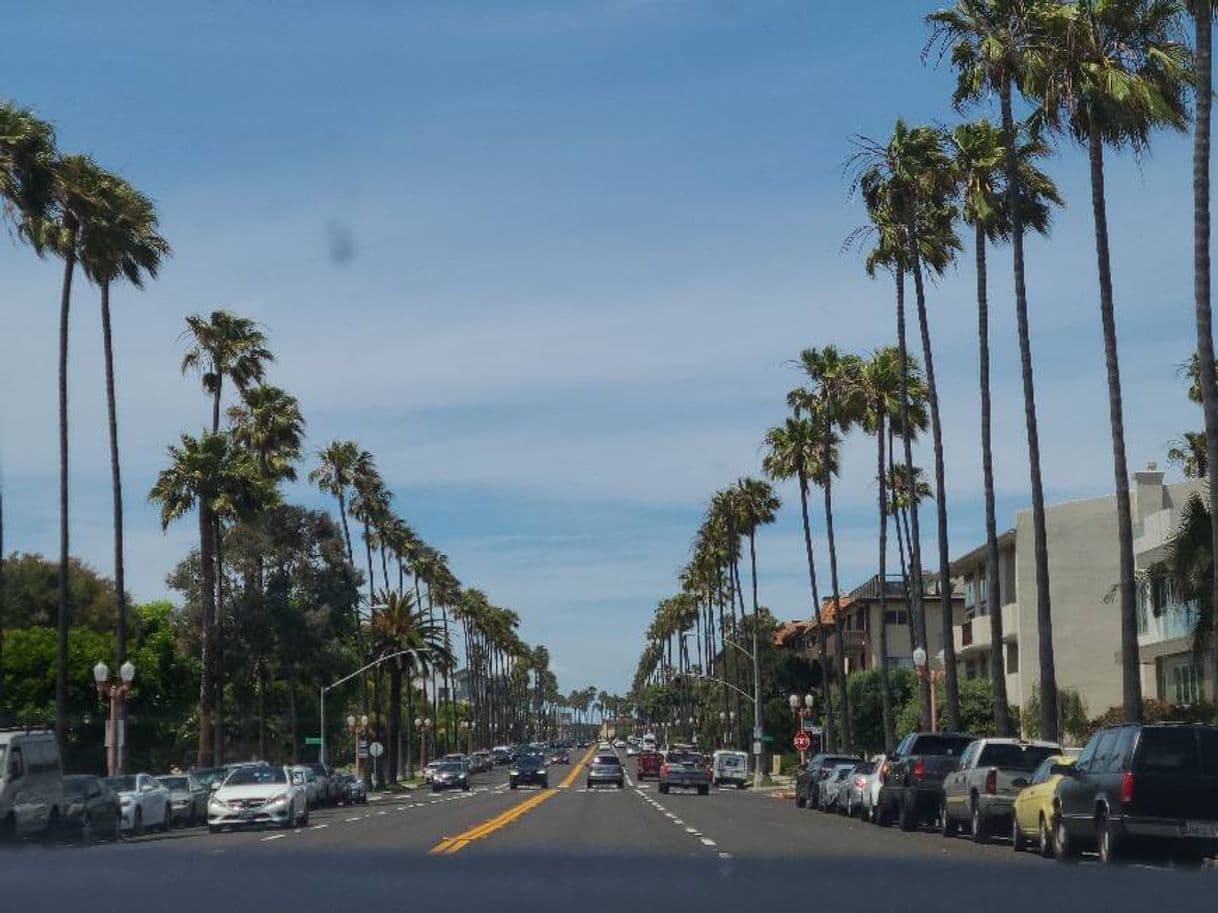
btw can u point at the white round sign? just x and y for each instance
(376, 749)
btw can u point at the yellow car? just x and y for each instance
(1032, 821)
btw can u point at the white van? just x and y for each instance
(649, 741)
(730, 768)
(31, 782)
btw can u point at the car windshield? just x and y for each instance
(174, 782)
(121, 784)
(256, 776)
(843, 772)
(452, 767)
(1015, 757)
(683, 757)
(605, 760)
(209, 775)
(528, 762)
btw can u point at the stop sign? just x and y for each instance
(802, 741)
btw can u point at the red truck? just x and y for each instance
(649, 765)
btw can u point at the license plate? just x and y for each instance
(248, 814)
(1201, 828)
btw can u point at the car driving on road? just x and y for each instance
(648, 765)
(685, 770)
(730, 768)
(528, 770)
(450, 775)
(605, 770)
(259, 795)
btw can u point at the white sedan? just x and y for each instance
(259, 795)
(143, 801)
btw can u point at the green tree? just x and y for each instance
(997, 47)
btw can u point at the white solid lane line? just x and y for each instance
(706, 841)
(318, 827)
(274, 837)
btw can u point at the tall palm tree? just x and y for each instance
(267, 421)
(996, 46)
(122, 242)
(206, 474)
(794, 449)
(835, 405)
(881, 385)
(1117, 74)
(335, 475)
(77, 186)
(1203, 88)
(979, 158)
(27, 168)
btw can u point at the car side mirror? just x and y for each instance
(1019, 782)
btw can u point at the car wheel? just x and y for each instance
(621, 785)
(801, 801)
(663, 787)
(167, 821)
(304, 821)
(1107, 840)
(980, 826)
(947, 827)
(1044, 838)
(512, 786)
(907, 820)
(137, 823)
(881, 816)
(703, 790)
(87, 834)
(1063, 846)
(1018, 843)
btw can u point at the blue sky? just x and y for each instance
(586, 238)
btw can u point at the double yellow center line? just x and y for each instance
(450, 845)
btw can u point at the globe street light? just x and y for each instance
(933, 676)
(116, 690)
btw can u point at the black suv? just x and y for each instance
(911, 780)
(807, 784)
(528, 769)
(1154, 784)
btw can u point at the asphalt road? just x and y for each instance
(728, 850)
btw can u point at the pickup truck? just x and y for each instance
(1141, 783)
(912, 788)
(685, 770)
(981, 791)
(649, 764)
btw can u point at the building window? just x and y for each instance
(1012, 658)
(896, 617)
(970, 595)
(1143, 614)
(1186, 683)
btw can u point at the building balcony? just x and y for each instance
(1165, 632)
(971, 637)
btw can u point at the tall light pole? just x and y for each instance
(469, 737)
(423, 725)
(934, 675)
(802, 709)
(116, 690)
(357, 727)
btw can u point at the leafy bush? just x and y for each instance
(976, 709)
(1072, 721)
(1153, 711)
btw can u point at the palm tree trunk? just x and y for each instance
(842, 692)
(1131, 677)
(1040, 548)
(294, 751)
(1203, 69)
(61, 652)
(395, 718)
(820, 628)
(951, 685)
(218, 644)
(3, 599)
(998, 677)
(915, 585)
(885, 693)
(207, 573)
(116, 487)
(264, 683)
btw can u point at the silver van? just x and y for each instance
(31, 782)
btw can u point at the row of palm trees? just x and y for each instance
(67, 206)
(1107, 75)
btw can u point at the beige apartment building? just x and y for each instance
(1083, 569)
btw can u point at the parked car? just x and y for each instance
(31, 782)
(91, 810)
(1033, 814)
(143, 802)
(605, 769)
(649, 764)
(259, 795)
(528, 770)
(316, 790)
(829, 789)
(850, 797)
(685, 770)
(324, 776)
(912, 791)
(1154, 785)
(982, 788)
(187, 798)
(730, 768)
(351, 789)
(871, 788)
(807, 783)
(209, 777)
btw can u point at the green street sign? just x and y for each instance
(767, 738)
(313, 740)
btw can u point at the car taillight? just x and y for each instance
(1127, 787)
(919, 770)
(664, 770)
(883, 772)
(991, 782)
(858, 782)
(710, 774)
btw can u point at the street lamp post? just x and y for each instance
(803, 709)
(469, 737)
(116, 690)
(357, 727)
(935, 676)
(423, 725)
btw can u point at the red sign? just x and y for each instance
(803, 741)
